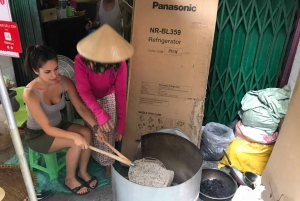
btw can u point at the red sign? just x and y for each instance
(9, 37)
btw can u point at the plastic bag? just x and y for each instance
(247, 156)
(254, 135)
(215, 139)
(263, 109)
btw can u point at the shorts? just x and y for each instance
(39, 141)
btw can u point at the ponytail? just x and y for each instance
(36, 57)
(27, 65)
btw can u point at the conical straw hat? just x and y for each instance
(105, 45)
(2, 193)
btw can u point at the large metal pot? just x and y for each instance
(177, 154)
(175, 131)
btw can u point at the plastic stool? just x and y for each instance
(20, 115)
(52, 166)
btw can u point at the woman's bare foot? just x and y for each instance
(108, 172)
(73, 183)
(87, 178)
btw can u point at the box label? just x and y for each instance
(175, 7)
(166, 90)
(149, 122)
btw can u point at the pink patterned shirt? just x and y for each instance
(92, 86)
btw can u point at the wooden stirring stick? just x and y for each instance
(118, 158)
(116, 151)
(122, 160)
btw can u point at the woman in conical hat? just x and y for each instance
(101, 74)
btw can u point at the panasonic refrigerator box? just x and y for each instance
(168, 73)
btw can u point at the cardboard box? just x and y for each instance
(48, 14)
(281, 176)
(168, 73)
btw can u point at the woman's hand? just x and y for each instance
(107, 127)
(118, 137)
(101, 137)
(80, 141)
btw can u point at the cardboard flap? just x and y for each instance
(281, 176)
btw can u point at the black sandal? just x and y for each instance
(78, 188)
(87, 183)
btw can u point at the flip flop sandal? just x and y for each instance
(78, 188)
(87, 183)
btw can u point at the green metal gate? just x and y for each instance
(25, 13)
(251, 39)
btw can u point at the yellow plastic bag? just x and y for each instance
(247, 156)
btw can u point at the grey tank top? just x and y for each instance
(51, 111)
(112, 18)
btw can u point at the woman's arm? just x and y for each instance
(84, 89)
(96, 21)
(80, 107)
(33, 103)
(120, 91)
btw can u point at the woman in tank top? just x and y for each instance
(110, 12)
(45, 131)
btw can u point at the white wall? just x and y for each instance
(295, 69)
(7, 68)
